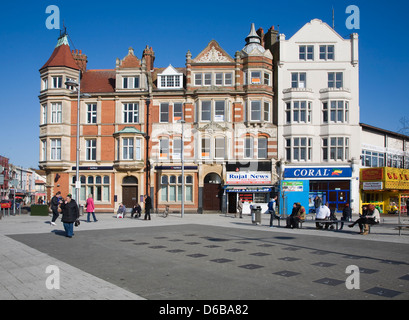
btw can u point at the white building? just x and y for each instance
(317, 97)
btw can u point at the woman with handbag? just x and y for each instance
(70, 214)
(90, 208)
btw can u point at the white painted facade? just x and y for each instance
(317, 70)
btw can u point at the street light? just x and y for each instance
(77, 85)
(183, 167)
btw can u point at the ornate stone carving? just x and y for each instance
(213, 55)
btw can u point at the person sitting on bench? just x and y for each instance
(323, 213)
(370, 218)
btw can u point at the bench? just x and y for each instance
(402, 226)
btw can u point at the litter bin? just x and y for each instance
(81, 210)
(256, 214)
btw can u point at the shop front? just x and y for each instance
(303, 184)
(253, 188)
(387, 188)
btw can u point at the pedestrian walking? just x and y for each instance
(90, 208)
(148, 207)
(272, 210)
(70, 214)
(239, 209)
(55, 201)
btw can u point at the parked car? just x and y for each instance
(5, 204)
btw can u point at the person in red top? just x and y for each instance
(90, 208)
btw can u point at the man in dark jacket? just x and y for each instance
(55, 201)
(148, 207)
(346, 215)
(70, 214)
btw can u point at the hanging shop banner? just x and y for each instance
(248, 178)
(304, 173)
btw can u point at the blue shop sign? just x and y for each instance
(305, 173)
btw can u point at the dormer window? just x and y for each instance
(170, 78)
(130, 82)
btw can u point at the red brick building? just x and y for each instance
(131, 135)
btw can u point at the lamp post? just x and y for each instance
(183, 167)
(76, 84)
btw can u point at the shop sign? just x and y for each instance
(248, 178)
(249, 190)
(318, 173)
(371, 174)
(293, 186)
(396, 178)
(372, 185)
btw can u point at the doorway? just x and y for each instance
(129, 191)
(212, 192)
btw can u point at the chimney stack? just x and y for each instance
(80, 59)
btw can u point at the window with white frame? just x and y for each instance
(262, 145)
(44, 83)
(44, 110)
(219, 148)
(205, 148)
(171, 188)
(335, 80)
(298, 149)
(335, 111)
(255, 110)
(130, 148)
(267, 111)
(56, 112)
(219, 111)
(177, 111)
(164, 112)
(298, 112)
(298, 80)
(127, 148)
(55, 149)
(91, 149)
(327, 52)
(394, 161)
(98, 186)
(217, 79)
(267, 81)
(255, 77)
(248, 147)
(56, 82)
(44, 150)
(131, 82)
(335, 149)
(372, 159)
(164, 148)
(130, 113)
(306, 53)
(91, 113)
(177, 148)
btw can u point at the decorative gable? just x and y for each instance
(130, 61)
(213, 53)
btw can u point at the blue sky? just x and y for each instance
(104, 30)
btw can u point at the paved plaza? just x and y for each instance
(200, 257)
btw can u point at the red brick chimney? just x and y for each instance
(149, 56)
(80, 59)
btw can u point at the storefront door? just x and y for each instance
(129, 191)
